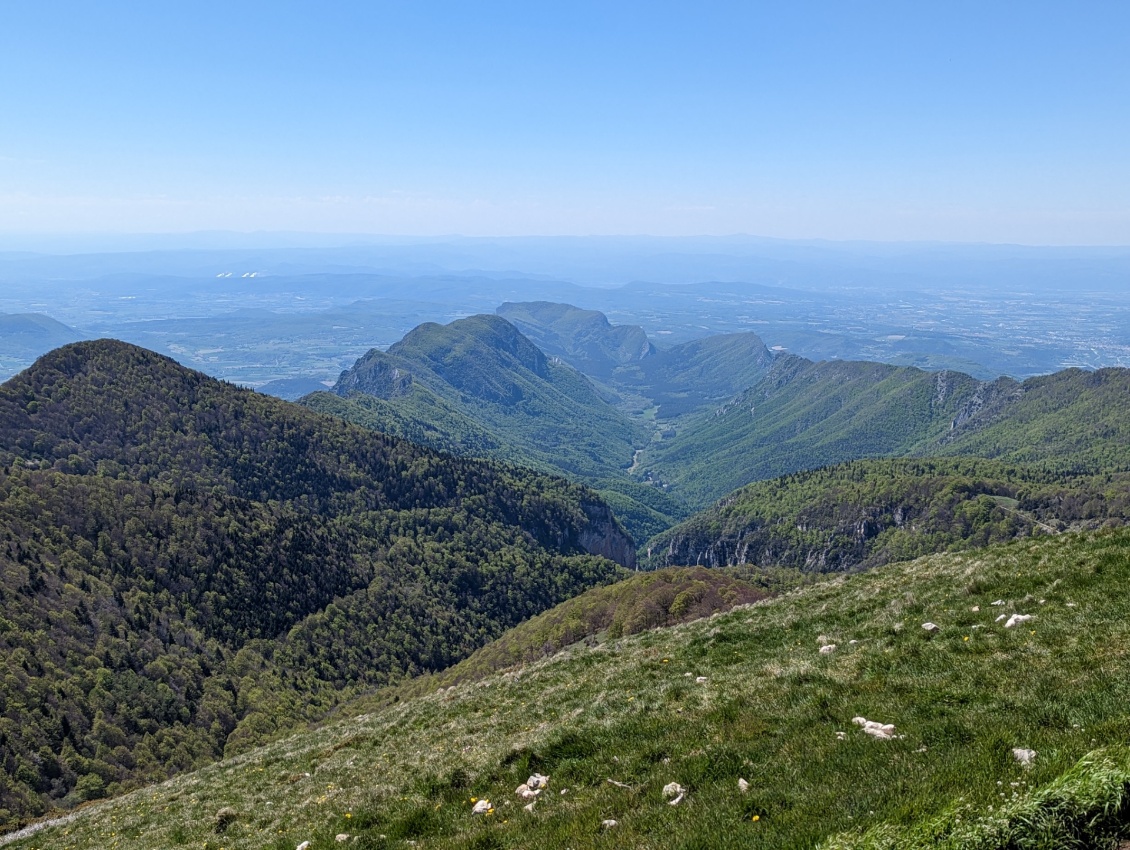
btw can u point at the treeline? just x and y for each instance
(187, 569)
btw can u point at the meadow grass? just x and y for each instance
(769, 711)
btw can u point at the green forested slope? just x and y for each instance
(1072, 421)
(481, 370)
(478, 387)
(583, 338)
(803, 415)
(672, 381)
(187, 567)
(870, 512)
(743, 695)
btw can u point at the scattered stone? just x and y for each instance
(931, 628)
(700, 679)
(608, 824)
(341, 837)
(1001, 617)
(743, 786)
(827, 649)
(998, 602)
(537, 782)
(1070, 604)
(526, 792)
(853, 642)
(529, 807)
(564, 791)
(676, 801)
(672, 789)
(882, 731)
(1017, 619)
(481, 807)
(305, 845)
(1023, 756)
(975, 608)
(841, 736)
(618, 784)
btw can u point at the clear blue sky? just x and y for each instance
(971, 121)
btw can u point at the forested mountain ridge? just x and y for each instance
(583, 338)
(673, 381)
(483, 373)
(478, 387)
(804, 415)
(187, 567)
(866, 513)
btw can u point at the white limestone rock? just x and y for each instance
(1025, 757)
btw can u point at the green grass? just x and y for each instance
(768, 711)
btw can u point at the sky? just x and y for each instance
(955, 121)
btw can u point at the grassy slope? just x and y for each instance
(768, 711)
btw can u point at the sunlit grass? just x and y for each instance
(768, 711)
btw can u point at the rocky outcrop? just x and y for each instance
(376, 375)
(603, 535)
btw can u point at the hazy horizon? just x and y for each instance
(875, 122)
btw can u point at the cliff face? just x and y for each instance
(375, 375)
(602, 535)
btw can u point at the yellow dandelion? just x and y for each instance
(755, 818)
(966, 637)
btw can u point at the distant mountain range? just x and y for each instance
(712, 415)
